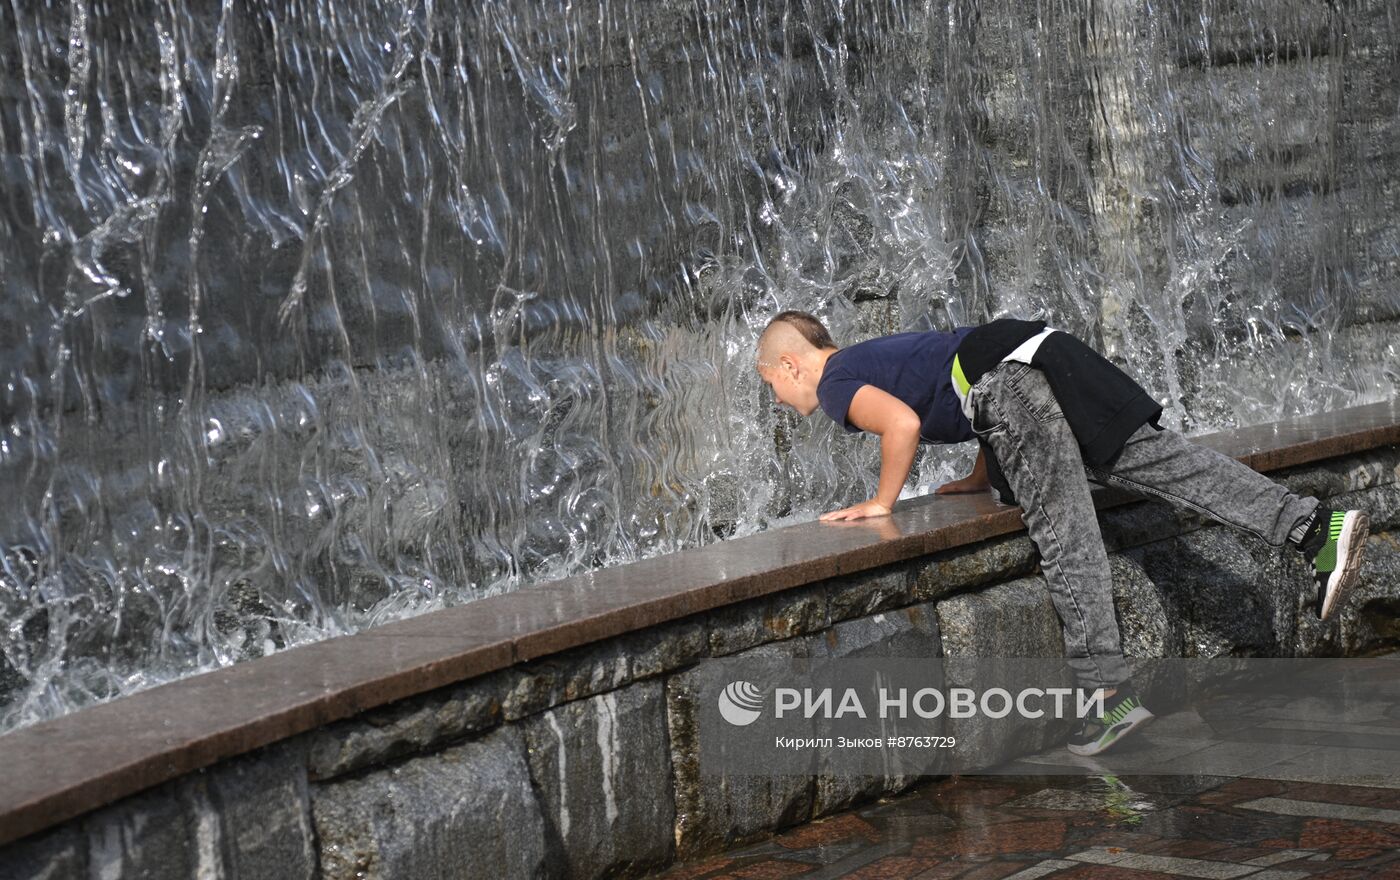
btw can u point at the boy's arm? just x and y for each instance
(882, 413)
(977, 481)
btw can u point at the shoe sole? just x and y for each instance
(1134, 720)
(1356, 526)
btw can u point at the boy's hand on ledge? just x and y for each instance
(963, 486)
(859, 511)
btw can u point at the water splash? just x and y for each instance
(322, 314)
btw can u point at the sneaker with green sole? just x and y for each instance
(1123, 714)
(1333, 545)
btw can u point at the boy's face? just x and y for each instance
(792, 385)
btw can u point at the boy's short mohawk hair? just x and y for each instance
(811, 328)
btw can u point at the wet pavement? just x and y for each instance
(1089, 828)
(1281, 793)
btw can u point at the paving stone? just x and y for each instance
(1337, 794)
(973, 839)
(1145, 753)
(966, 792)
(693, 870)
(1322, 809)
(1218, 825)
(997, 827)
(1164, 864)
(1186, 848)
(889, 868)
(1041, 869)
(1245, 758)
(1108, 872)
(467, 812)
(1279, 857)
(589, 759)
(1059, 799)
(1118, 839)
(1179, 786)
(826, 832)
(1336, 836)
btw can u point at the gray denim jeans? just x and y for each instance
(1016, 413)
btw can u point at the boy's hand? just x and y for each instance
(859, 511)
(965, 485)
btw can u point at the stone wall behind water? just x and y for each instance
(586, 763)
(321, 314)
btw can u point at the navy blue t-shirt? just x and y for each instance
(917, 368)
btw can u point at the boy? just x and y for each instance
(1049, 414)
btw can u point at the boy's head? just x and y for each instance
(792, 353)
